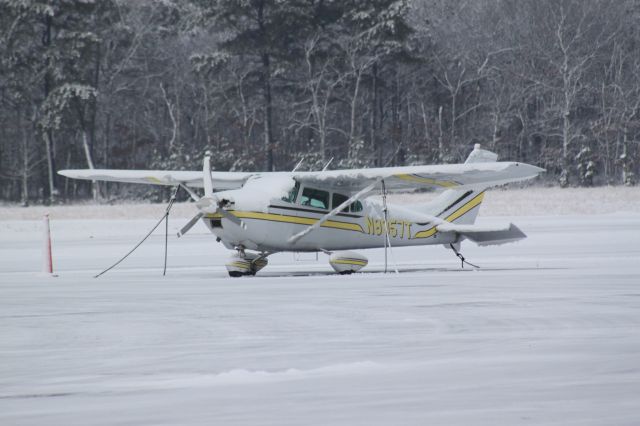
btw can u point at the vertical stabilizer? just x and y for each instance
(479, 155)
(461, 206)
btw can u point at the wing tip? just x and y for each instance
(66, 173)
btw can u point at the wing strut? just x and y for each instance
(387, 239)
(293, 239)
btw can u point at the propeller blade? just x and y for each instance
(190, 224)
(192, 194)
(206, 177)
(209, 203)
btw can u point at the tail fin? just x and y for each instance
(458, 206)
(461, 206)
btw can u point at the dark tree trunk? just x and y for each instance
(374, 117)
(268, 124)
(48, 134)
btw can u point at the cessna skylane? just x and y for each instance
(334, 211)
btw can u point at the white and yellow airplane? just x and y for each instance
(258, 214)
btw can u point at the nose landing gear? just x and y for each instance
(244, 263)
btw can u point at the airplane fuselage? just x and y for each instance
(269, 230)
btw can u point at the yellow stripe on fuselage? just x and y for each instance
(271, 217)
(349, 262)
(426, 233)
(475, 201)
(427, 181)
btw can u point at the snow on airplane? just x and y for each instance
(331, 211)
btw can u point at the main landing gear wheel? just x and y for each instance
(347, 262)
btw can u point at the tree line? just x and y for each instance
(264, 84)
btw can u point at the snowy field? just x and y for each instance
(547, 332)
(529, 201)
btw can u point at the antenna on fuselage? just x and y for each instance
(298, 165)
(327, 165)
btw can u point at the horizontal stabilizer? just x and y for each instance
(485, 235)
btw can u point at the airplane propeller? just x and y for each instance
(190, 224)
(209, 203)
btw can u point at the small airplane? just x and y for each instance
(333, 211)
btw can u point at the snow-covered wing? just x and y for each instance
(221, 180)
(351, 181)
(412, 177)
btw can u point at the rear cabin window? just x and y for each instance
(315, 198)
(355, 207)
(338, 199)
(292, 195)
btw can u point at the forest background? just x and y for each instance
(263, 84)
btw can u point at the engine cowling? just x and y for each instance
(347, 262)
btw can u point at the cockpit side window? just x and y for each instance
(339, 199)
(293, 194)
(315, 198)
(355, 207)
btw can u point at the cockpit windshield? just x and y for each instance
(293, 194)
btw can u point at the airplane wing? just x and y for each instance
(447, 176)
(221, 180)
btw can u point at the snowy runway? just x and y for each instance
(547, 332)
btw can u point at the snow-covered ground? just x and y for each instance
(529, 201)
(546, 332)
